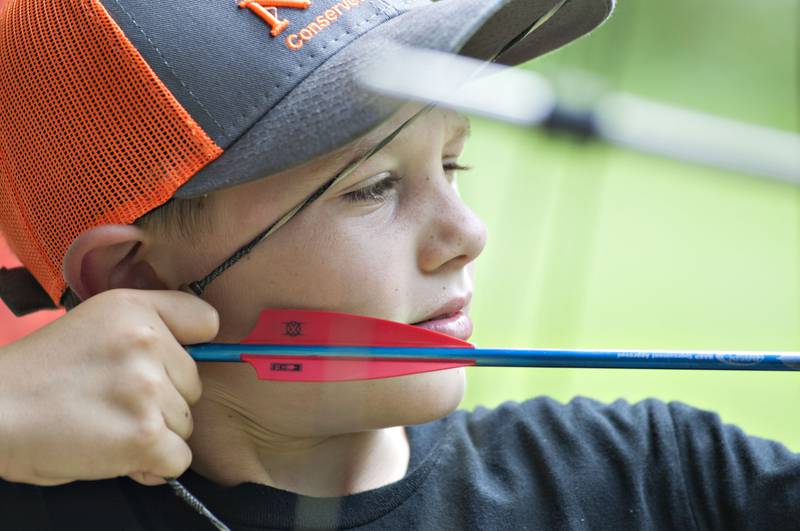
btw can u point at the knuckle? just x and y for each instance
(175, 462)
(189, 425)
(195, 391)
(145, 383)
(195, 394)
(125, 295)
(143, 337)
(183, 461)
(121, 297)
(148, 431)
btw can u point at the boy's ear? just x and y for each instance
(108, 257)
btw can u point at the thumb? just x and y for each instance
(149, 480)
(189, 318)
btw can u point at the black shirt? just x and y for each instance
(535, 465)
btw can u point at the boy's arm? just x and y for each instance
(735, 481)
(104, 391)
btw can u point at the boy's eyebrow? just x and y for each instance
(464, 127)
(357, 153)
(364, 145)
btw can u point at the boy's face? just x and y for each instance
(392, 240)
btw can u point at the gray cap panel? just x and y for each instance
(220, 61)
(329, 109)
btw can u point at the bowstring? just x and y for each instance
(183, 493)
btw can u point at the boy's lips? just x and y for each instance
(451, 319)
(457, 325)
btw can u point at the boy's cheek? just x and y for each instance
(471, 270)
(360, 287)
(319, 264)
(364, 279)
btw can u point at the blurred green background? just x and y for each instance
(596, 247)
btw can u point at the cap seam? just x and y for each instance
(387, 9)
(249, 117)
(172, 70)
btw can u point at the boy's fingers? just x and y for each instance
(177, 415)
(148, 480)
(170, 458)
(190, 319)
(49, 482)
(182, 371)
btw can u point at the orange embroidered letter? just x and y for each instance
(267, 10)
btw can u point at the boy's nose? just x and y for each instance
(454, 235)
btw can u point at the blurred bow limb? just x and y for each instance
(528, 99)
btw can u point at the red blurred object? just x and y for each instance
(12, 327)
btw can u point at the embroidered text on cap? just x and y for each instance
(268, 11)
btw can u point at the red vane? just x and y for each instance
(319, 328)
(320, 369)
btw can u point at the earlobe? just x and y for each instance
(107, 257)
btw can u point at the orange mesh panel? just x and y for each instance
(88, 133)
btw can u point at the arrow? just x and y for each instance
(317, 346)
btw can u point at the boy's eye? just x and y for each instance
(380, 189)
(453, 166)
(374, 192)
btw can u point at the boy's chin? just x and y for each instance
(426, 397)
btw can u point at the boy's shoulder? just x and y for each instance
(648, 433)
(547, 417)
(669, 464)
(583, 430)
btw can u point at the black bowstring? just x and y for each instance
(199, 286)
(196, 504)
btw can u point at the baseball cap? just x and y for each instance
(110, 108)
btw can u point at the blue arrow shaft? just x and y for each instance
(491, 357)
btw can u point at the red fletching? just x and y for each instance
(318, 328)
(318, 369)
(315, 328)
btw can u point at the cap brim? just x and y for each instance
(329, 108)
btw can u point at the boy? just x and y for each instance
(247, 117)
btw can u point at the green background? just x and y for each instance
(596, 247)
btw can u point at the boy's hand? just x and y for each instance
(104, 391)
